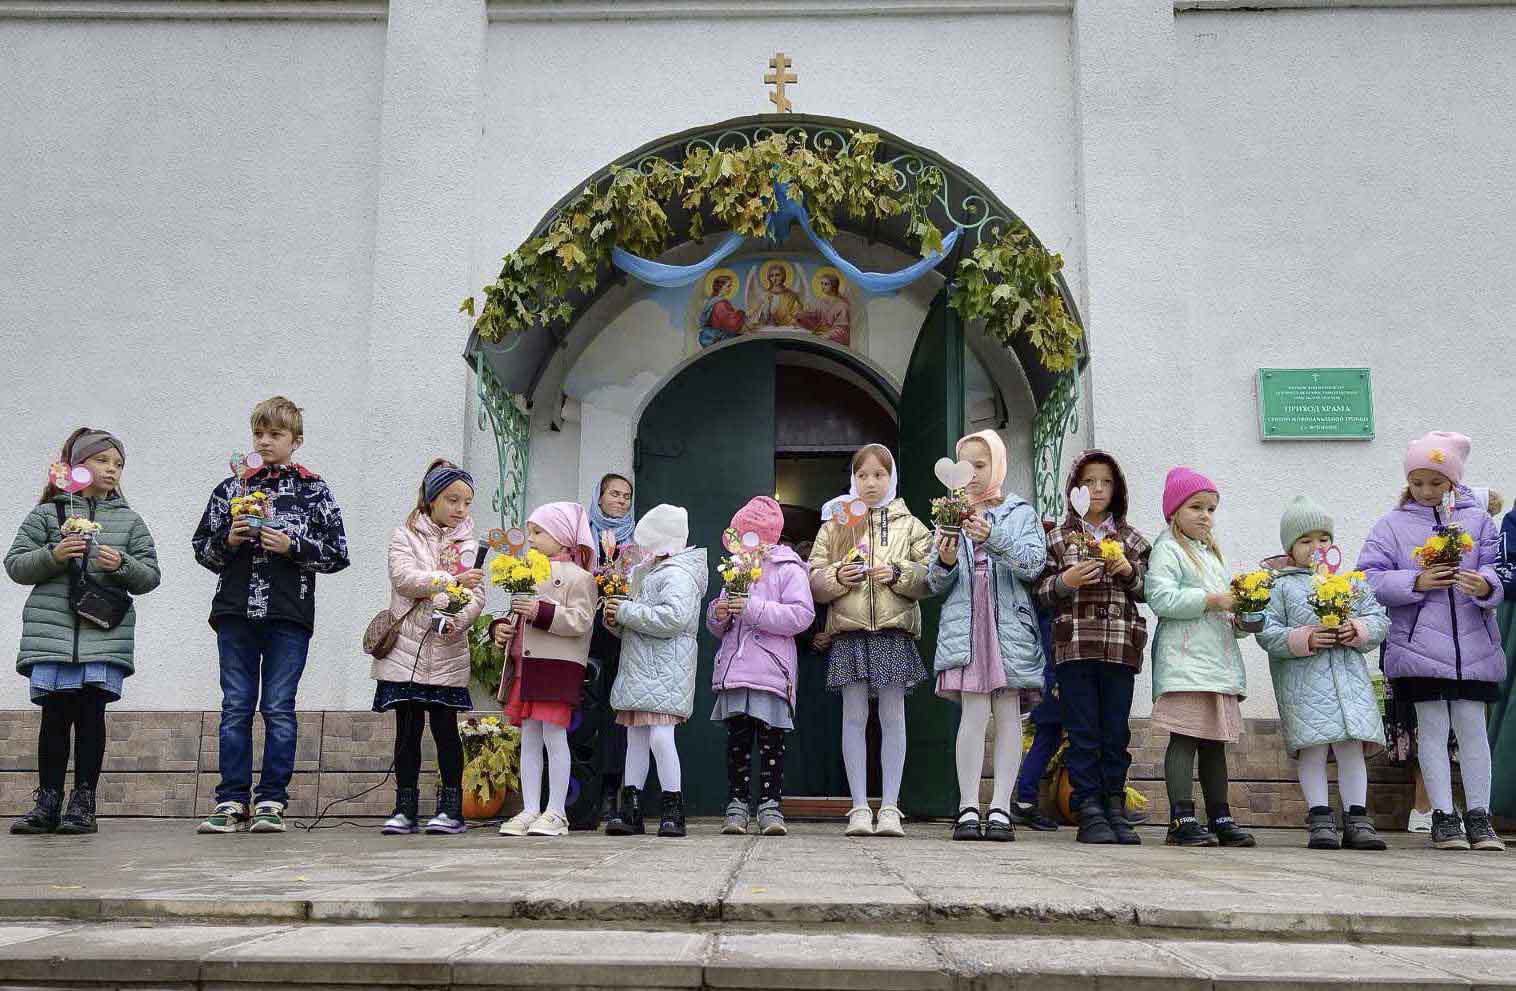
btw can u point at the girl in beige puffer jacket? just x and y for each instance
(872, 573)
(426, 675)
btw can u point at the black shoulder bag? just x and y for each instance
(92, 600)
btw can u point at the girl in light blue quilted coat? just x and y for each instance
(1326, 701)
(654, 690)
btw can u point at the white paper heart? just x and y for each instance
(953, 474)
(750, 540)
(1079, 499)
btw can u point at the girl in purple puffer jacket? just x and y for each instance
(1443, 652)
(754, 676)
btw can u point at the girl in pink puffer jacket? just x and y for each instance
(754, 676)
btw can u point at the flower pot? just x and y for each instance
(473, 808)
(943, 530)
(1250, 622)
(738, 599)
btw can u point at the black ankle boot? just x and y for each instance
(1115, 814)
(626, 820)
(44, 817)
(672, 823)
(80, 817)
(1094, 827)
(1185, 829)
(1225, 828)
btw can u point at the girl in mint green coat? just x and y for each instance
(75, 667)
(1198, 676)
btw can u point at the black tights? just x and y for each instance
(1179, 765)
(81, 713)
(410, 719)
(740, 731)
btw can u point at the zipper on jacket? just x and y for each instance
(83, 567)
(873, 618)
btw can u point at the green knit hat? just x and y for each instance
(1300, 517)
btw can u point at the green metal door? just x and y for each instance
(931, 421)
(706, 442)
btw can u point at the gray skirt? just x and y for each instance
(766, 707)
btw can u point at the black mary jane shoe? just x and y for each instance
(967, 826)
(998, 828)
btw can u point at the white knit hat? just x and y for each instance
(664, 529)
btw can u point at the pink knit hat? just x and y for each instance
(1439, 451)
(1182, 483)
(762, 516)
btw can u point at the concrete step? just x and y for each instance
(253, 958)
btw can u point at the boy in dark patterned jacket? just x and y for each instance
(264, 611)
(1092, 585)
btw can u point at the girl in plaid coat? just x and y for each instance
(1092, 584)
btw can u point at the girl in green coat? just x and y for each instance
(74, 666)
(1198, 676)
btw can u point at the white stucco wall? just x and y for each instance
(184, 232)
(1230, 189)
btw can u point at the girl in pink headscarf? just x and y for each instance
(549, 642)
(989, 648)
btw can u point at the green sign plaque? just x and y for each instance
(1315, 404)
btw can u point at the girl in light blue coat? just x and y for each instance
(1326, 701)
(989, 648)
(654, 689)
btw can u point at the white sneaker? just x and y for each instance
(1419, 822)
(860, 821)
(889, 822)
(518, 824)
(549, 824)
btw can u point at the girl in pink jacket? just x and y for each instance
(426, 675)
(754, 676)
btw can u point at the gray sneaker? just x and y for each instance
(1479, 830)
(737, 816)
(770, 819)
(1447, 831)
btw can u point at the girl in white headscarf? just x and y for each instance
(869, 564)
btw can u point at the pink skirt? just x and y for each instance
(1203, 715)
(636, 717)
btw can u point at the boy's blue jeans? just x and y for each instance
(261, 664)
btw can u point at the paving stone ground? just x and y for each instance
(149, 904)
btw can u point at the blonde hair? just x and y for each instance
(278, 413)
(1187, 543)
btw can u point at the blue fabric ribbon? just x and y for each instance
(786, 212)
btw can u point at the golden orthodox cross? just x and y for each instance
(777, 79)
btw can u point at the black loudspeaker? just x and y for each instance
(584, 749)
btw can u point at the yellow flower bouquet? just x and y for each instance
(253, 507)
(1250, 597)
(1110, 550)
(520, 576)
(740, 571)
(1446, 546)
(613, 577)
(1332, 597)
(447, 602)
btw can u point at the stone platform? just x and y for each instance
(151, 905)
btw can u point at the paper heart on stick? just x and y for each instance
(953, 474)
(1079, 500)
(69, 479)
(509, 541)
(1328, 559)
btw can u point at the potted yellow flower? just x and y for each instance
(1250, 597)
(491, 765)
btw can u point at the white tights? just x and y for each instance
(659, 742)
(855, 755)
(1466, 719)
(1352, 773)
(972, 724)
(536, 734)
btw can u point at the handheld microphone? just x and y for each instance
(479, 556)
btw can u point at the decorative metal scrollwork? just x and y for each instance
(1057, 418)
(506, 415)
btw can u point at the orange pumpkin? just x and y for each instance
(473, 808)
(1063, 796)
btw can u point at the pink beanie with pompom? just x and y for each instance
(1440, 451)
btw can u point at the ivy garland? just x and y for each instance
(1010, 282)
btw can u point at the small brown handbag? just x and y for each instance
(383, 630)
